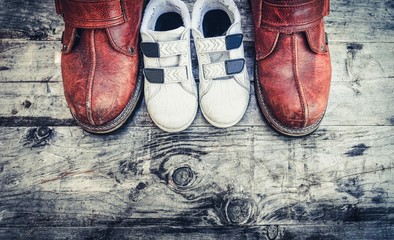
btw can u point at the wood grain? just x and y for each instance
(349, 231)
(38, 104)
(362, 74)
(41, 60)
(79, 179)
(351, 20)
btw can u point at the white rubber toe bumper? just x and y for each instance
(224, 81)
(170, 90)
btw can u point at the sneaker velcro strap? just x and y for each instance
(91, 14)
(165, 49)
(166, 75)
(223, 69)
(292, 14)
(219, 44)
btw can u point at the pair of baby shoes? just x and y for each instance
(170, 90)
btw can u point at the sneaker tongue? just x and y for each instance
(233, 29)
(171, 35)
(223, 56)
(165, 36)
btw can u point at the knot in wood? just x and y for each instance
(183, 176)
(26, 104)
(238, 210)
(43, 132)
(38, 137)
(272, 232)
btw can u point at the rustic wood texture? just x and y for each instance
(349, 20)
(359, 72)
(245, 182)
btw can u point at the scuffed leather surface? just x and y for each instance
(292, 15)
(100, 65)
(293, 63)
(124, 37)
(91, 14)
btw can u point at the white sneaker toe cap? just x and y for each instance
(225, 104)
(172, 109)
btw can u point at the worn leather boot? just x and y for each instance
(100, 61)
(293, 68)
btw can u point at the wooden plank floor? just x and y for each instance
(244, 182)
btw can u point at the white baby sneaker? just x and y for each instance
(224, 81)
(170, 90)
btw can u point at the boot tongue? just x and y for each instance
(163, 36)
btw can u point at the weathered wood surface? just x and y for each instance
(245, 182)
(281, 178)
(64, 177)
(349, 231)
(359, 72)
(42, 104)
(350, 20)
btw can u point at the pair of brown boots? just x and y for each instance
(100, 62)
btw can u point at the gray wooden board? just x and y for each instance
(244, 182)
(348, 231)
(38, 104)
(350, 20)
(64, 176)
(360, 71)
(39, 61)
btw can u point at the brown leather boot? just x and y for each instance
(100, 61)
(293, 68)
